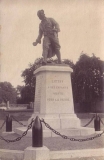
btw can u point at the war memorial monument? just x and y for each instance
(53, 93)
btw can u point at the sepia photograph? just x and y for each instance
(51, 80)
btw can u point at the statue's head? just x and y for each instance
(41, 14)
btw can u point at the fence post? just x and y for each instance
(37, 133)
(8, 123)
(97, 122)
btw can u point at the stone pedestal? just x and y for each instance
(40, 153)
(53, 97)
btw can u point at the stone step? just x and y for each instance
(81, 131)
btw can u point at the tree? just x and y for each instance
(88, 79)
(28, 91)
(28, 73)
(7, 92)
(25, 94)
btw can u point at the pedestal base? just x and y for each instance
(81, 131)
(66, 124)
(7, 133)
(59, 121)
(40, 153)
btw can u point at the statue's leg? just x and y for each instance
(55, 42)
(58, 55)
(46, 44)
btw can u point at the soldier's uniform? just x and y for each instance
(51, 44)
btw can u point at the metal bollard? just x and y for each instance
(97, 123)
(8, 123)
(37, 133)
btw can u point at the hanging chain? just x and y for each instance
(89, 121)
(18, 121)
(71, 139)
(3, 124)
(101, 121)
(18, 138)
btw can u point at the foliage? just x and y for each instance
(26, 94)
(7, 92)
(28, 73)
(88, 79)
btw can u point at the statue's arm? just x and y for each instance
(38, 40)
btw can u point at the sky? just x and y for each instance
(81, 24)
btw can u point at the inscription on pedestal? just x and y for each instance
(58, 91)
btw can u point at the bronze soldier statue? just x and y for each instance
(49, 28)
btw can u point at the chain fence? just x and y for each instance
(18, 121)
(89, 121)
(67, 137)
(3, 124)
(6, 114)
(20, 137)
(53, 130)
(101, 121)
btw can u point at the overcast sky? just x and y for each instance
(82, 29)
